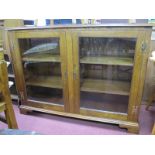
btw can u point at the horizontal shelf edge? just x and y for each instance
(107, 60)
(43, 102)
(54, 58)
(50, 82)
(102, 86)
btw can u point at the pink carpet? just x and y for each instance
(57, 125)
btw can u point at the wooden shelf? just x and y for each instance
(106, 86)
(45, 81)
(121, 61)
(42, 58)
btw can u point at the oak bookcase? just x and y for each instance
(97, 72)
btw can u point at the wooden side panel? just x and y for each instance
(150, 75)
(17, 65)
(139, 72)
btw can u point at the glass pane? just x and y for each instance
(106, 66)
(104, 102)
(42, 69)
(45, 94)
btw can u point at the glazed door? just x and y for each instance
(40, 68)
(105, 78)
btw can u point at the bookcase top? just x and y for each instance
(75, 26)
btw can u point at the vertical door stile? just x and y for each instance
(64, 70)
(76, 73)
(70, 71)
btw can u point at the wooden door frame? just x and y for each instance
(115, 33)
(18, 67)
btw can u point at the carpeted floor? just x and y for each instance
(57, 125)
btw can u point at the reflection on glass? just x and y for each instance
(104, 102)
(42, 69)
(97, 46)
(106, 66)
(45, 94)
